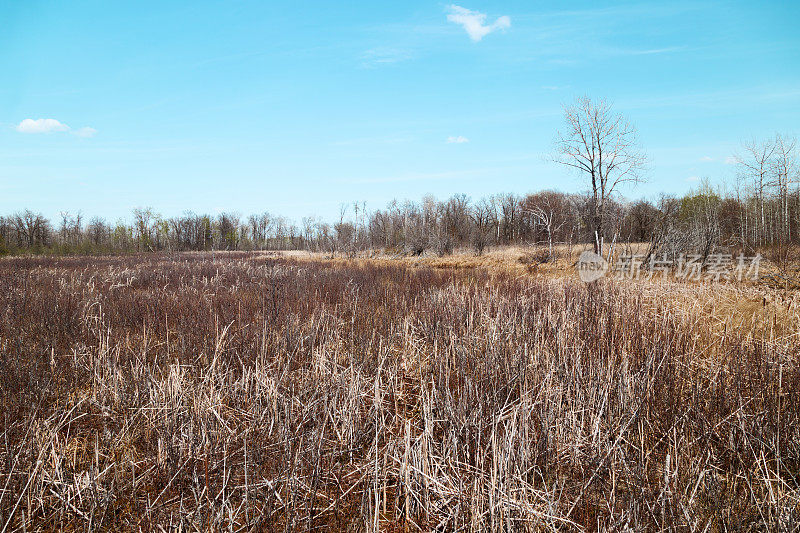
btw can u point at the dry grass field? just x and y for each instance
(253, 392)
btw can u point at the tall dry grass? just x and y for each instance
(252, 393)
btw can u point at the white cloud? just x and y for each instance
(457, 140)
(730, 160)
(86, 131)
(41, 125)
(51, 125)
(474, 22)
(693, 178)
(706, 158)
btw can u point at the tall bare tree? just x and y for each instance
(603, 146)
(784, 166)
(755, 165)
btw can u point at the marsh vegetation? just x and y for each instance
(247, 392)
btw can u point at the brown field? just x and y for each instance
(255, 392)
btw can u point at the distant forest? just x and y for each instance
(760, 211)
(699, 221)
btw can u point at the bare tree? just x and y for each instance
(32, 229)
(228, 231)
(143, 221)
(755, 165)
(509, 210)
(547, 210)
(481, 225)
(784, 167)
(602, 145)
(345, 233)
(97, 231)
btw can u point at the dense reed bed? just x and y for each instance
(251, 393)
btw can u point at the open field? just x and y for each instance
(247, 391)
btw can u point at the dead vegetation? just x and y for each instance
(246, 392)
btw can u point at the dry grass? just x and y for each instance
(248, 392)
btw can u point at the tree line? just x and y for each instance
(699, 221)
(761, 210)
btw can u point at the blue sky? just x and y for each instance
(294, 108)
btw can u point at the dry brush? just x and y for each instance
(245, 392)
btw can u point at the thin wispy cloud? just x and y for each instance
(51, 125)
(376, 57)
(474, 22)
(651, 51)
(706, 158)
(371, 141)
(425, 176)
(85, 132)
(465, 174)
(692, 179)
(458, 139)
(717, 98)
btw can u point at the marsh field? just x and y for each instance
(255, 392)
